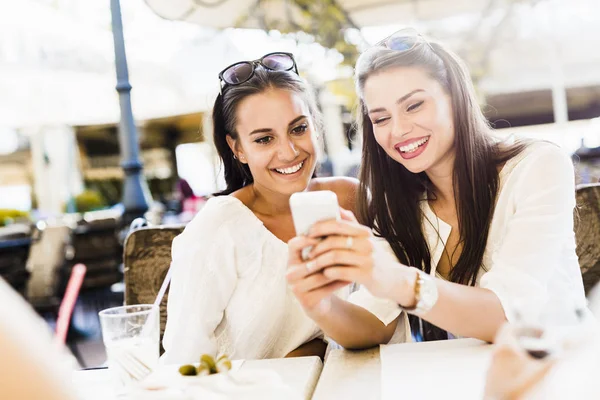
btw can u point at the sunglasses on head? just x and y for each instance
(242, 71)
(404, 40)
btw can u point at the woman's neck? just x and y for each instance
(442, 178)
(267, 202)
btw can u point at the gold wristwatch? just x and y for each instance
(426, 294)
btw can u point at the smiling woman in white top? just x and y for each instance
(229, 294)
(483, 228)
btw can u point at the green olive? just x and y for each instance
(203, 370)
(223, 365)
(209, 362)
(187, 370)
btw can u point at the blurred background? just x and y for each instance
(80, 160)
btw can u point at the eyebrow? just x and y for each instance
(400, 100)
(267, 130)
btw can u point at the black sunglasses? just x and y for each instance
(242, 71)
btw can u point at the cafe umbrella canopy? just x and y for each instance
(326, 21)
(256, 13)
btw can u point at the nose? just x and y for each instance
(287, 151)
(402, 126)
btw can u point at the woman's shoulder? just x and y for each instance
(221, 212)
(225, 230)
(344, 187)
(538, 155)
(540, 168)
(536, 148)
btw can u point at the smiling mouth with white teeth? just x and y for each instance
(290, 170)
(413, 146)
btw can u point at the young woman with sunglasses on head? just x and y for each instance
(229, 293)
(483, 227)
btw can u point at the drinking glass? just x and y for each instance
(131, 337)
(545, 330)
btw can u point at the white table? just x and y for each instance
(358, 374)
(301, 374)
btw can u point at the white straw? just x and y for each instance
(163, 288)
(157, 301)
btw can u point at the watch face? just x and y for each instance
(428, 292)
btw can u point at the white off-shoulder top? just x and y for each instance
(229, 293)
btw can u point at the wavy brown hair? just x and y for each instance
(390, 196)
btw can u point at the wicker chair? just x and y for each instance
(587, 232)
(147, 257)
(46, 258)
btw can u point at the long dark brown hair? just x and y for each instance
(390, 196)
(237, 174)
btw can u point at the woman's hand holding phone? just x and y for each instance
(340, 244)
(349, 253)
(342, 251)
(346, 252)
(312, 289)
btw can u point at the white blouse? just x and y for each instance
(530, 255)
(229, 293)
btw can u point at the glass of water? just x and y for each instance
(131, 337)
(545, 330)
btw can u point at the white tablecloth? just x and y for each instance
(435, 370)
(405, 371)
(301, 374)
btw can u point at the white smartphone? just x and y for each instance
(311, 207)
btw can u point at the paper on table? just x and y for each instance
(433, 370)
